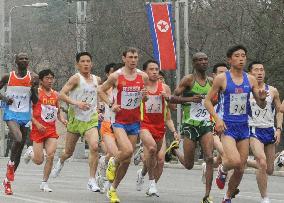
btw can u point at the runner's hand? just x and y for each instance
(40, 128)
(115, 108)
(83, 106)
(176, 136)
(262, 94)
(197, 98)
(8, 101)
(144, 92)
(220, 126)
(277, 136)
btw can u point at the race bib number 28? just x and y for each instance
(130, 100)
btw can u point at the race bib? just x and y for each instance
(154, 104)
(21, 102)
(48, 113)
(198, 111)
(130, 100)
(238, 104)
(90, 97)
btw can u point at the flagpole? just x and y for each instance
(186, 39)
(177, 34)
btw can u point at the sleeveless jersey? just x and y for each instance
(18, 89)
(129, 98)
(154, 109)
(234, 101)
(45, 110)
(85, 92)
(262, 118)
(196, 113)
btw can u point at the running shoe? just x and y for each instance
(56, 169)
(221, 178)
(279, 161)
(152, 190)
(203, 176)
(112, 195)
(137, 157)
(7, 186)
(139, 180)
(92, 186)
(237, 191)
(111, 169)
(207, 199)
(265, 200)
(169, 150)
(227, 201)
(28, 154)
(44, 187)
(10, 174)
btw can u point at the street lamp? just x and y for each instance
(35, 5)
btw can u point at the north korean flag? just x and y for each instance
(161, 28)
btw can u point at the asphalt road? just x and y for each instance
(175, 186)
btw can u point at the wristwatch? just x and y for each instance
(278, 128)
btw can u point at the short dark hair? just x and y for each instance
(253, 63)
(233, 49)
(119, 65)
(44, 73)
(145, 65)
(109, 66)
(129, 50)
(162, 74)
(84, 53)
(215, 67)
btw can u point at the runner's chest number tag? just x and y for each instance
(130, 100)
(154, 104)
(21, 102)
(198, 111)
(48, 113)
(238, 104)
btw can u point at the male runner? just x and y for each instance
(235, 87)
(80, 92)
(155, 114)
(196, 123)
(128, 82)
(43, 134)
(263, 136)
(21, 90)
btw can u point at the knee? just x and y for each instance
(189, 165)
(68, 153)
(234, 163)
(38, 161)
(262, 164)
(270, 170)
(128, 152)
(50, 156)
(94, 147)
(209, 160)
(126, 162)
(152, 150)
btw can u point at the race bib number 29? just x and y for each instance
(130, 100)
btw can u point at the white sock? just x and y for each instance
(226, 197)
(91, 179)
(152, 182)
(265, 198)
(6, 180)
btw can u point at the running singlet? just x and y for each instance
(18, 89)
(262, 118)
(85, 92)
(234, 101)
(196, 113)
(129, 98)
(45, 111)
(154, 110)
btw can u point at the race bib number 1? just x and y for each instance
(238, 104)
(130, 100)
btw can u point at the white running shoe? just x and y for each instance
(279, 161)
(137, 157)
(139, 180)
(44, 187)
(28, 154)
(92, 186)
(152, 190)
(56, 169)
(203, 176)
(265, 200)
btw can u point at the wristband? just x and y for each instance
(278, 128)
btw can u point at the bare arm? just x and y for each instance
(259, 95)
(3, 82)
(279, 115)
(60, 115)
(102, 90)
(70, 85)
